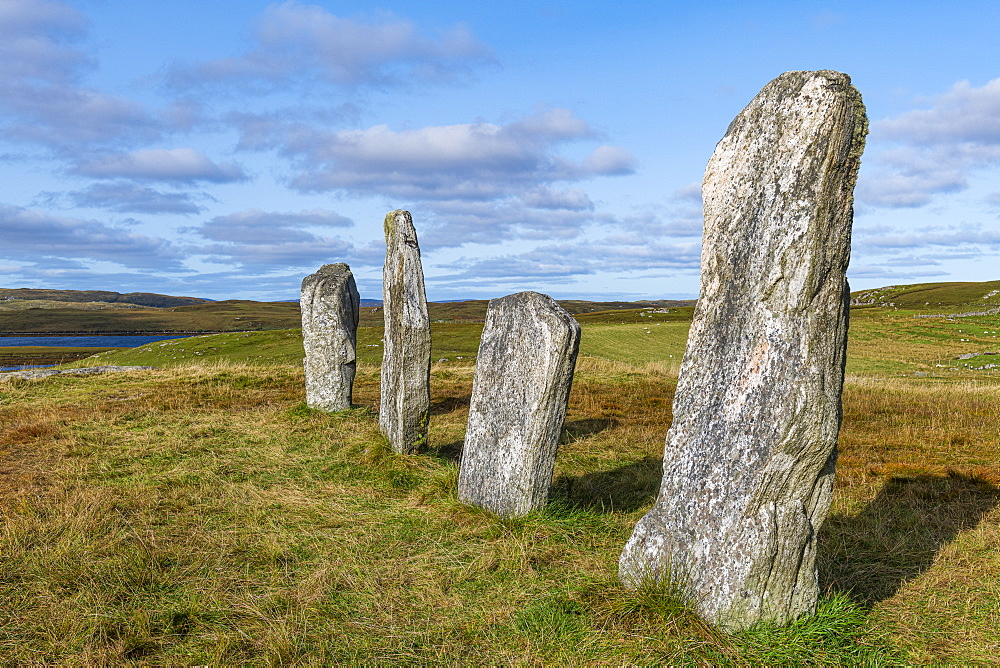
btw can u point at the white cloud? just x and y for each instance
(265, 227)
(964, 114)
(297, 41)
(969, 235)
(881, 272)
(453, 223)
(125, 197)
(928, 152)
(30, 235)
(264, 241)
(567, 262)
(690, 193)
(464, 161)
(182, 165)
(900, 186)
(33, 36)
(610, 160)
(286, 255)
(41, 97)
(572, 199)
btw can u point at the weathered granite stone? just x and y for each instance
(749, 459)
(330, 301)
(523, 376)
(406, 360)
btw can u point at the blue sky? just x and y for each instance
(225, 150)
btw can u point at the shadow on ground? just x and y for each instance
(578, 429)
(572, 431)
(895, 538)
(624, 489)
(449, 404)
(450, 451)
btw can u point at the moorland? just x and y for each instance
(26, 312)
(201, 513)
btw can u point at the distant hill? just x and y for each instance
(474, 310)
(576, 306)
(140, 298)
(941, 298)
(225, 316)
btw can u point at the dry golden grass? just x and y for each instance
(201, 514)
(915, 528)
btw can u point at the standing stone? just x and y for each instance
(749, 459)
(523, 376)
(406, 359)
(329, 301)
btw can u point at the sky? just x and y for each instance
(227, 150)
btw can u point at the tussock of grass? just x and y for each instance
(840, 633)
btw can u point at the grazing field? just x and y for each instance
(201, 513)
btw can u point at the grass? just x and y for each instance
(946, 298)
(15, 355)
(201, 513)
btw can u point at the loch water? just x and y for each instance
(112, 341)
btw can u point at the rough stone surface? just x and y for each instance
(37, 374)
(523, 376)
(406, 360)
(330, 301)
(749, 459)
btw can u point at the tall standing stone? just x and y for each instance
(329, 302)
(749, 459)
(406, 359)
(523, 376)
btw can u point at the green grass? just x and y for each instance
(282, 346)
(657, 342)
(452, 342)
(202, 514)
(881, 342)
(888, 342)
(935, 297)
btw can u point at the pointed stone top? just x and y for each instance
(399, 221)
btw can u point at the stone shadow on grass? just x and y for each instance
(578, 429)
(625, 488)
(449, 404)
(450, 451)
(453, 451)
(869, 556)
